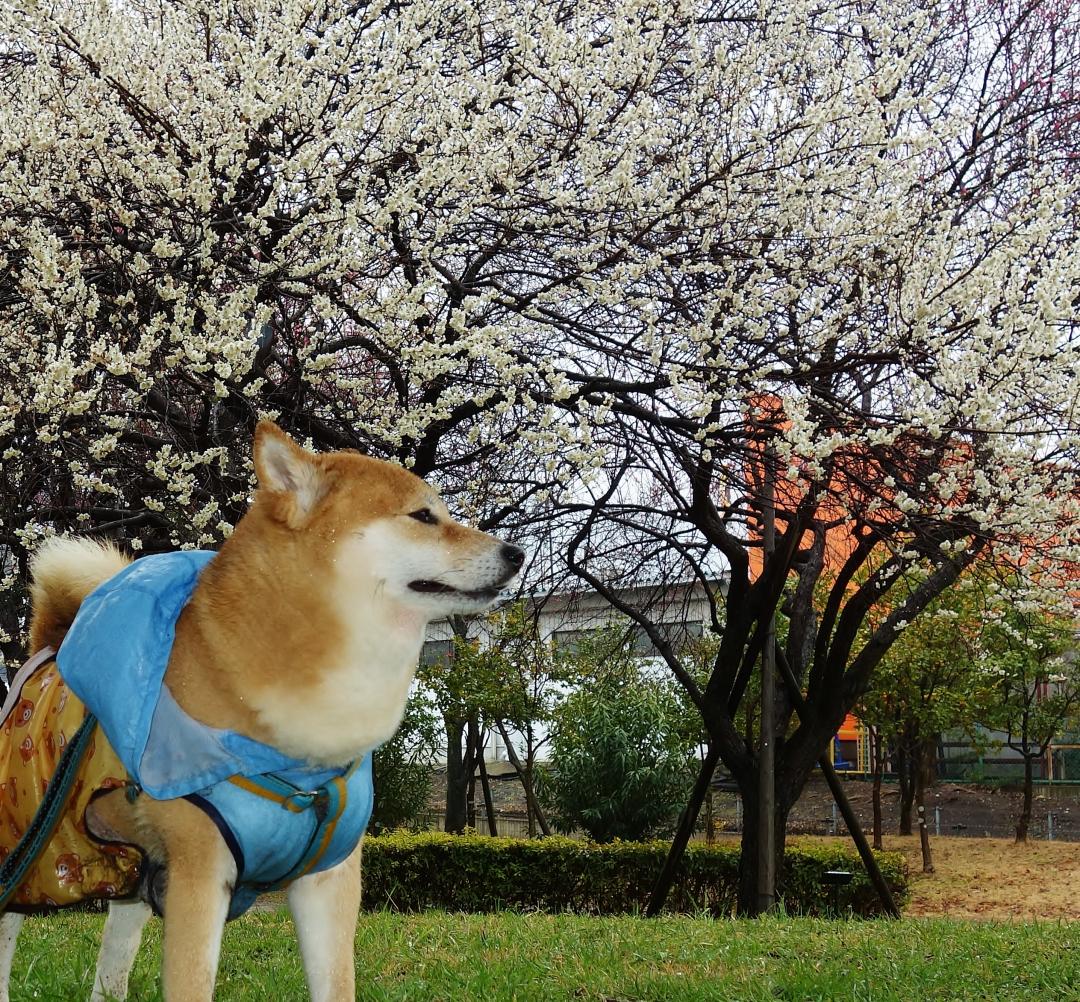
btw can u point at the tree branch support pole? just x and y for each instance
(873, 871)
(924, 842)
(489, 804)
(687, 821)
(767, 834)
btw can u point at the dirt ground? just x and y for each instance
(980, 870)
(990, 878)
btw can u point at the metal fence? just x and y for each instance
(1056, 821)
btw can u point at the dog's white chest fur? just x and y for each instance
(359, 700)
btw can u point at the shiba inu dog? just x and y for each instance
(301, 636)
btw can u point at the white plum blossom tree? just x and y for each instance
(606, 264)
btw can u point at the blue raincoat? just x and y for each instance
(280, 817)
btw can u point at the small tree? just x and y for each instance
(931, 680)
(402, 768)
(460, 685)
(528, 678)
(622, 765)
(1038, 686)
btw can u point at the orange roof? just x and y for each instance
(850, 728)
(857, 487)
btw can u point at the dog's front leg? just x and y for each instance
(201, 874)
(10, 924)
(196, 905)
(324, 907)
(119, 944)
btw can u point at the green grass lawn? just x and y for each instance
(547, 958)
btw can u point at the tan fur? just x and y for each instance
(65, 570)
(264, 612)
(201, 875)
(303, 633)
(325, 907)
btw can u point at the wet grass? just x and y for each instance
(436, 956)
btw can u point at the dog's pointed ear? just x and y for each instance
(290, 473)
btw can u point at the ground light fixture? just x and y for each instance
(834, 880)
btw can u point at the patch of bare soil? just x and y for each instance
(980, 871)
(993, 878)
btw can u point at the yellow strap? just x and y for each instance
(330, 826)
(285, 801)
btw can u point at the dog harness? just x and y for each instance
(282, 825)
(281, 817)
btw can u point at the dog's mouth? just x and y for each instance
(428, 587)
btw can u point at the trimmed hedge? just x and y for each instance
(475, 873)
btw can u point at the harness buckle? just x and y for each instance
(317, 800)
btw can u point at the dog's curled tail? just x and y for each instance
(64, 571)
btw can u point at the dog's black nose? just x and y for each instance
(513, 555)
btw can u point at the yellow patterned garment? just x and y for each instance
(73, 867)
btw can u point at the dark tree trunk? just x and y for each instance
(457, 779)
(534, 811)
(489, 804)
(905, 775)
(748, 860)
(928, 762)
(792, 771)
(878, 760)
(471, 748)
(1024, 821)
(790, 783)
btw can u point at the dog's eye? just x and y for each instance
(424, 515)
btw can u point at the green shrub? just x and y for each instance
(472, 873)
(402, 769)
(622, 764)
